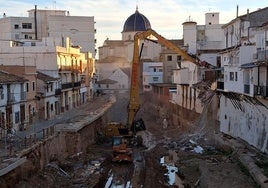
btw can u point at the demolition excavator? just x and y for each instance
(123, 135)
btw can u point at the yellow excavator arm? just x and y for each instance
(134, 101)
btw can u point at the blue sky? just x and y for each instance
(165, 16)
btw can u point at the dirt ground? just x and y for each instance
(215, 167)
(199, 162)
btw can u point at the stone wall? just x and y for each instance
(55, 147)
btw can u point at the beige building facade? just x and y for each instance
(73, 68)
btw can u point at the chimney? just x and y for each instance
(4, 15)
(247, 14)
(35, 21)
(236, 10)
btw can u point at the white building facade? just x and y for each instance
(204, 42)
(50, 23)
(65, 63)
(152, 73)
(243, 104)
(13, 102)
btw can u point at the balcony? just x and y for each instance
(261, 91)
(11, 98)
(23, 96)
(16, 97)
(65, 68)
(77, 84)
(261, 55)
(70, 85)
(57, 92)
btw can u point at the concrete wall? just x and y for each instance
(250, 125)
(80, 29)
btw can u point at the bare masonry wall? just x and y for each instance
(68, 139)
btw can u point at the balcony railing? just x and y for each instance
(74, 68)
(11, 98)
(261, 90)
(246, 88)
(70, 85)
(77, 84)
(16, 97)
(57, 92)
(261, 55)
(67, 85)
(23, 96)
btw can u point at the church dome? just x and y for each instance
(136, 22)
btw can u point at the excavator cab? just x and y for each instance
(121, 149)
(115, 129)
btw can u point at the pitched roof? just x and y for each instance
(256, 18)
(7, 78)
(108, 42)
(126, 70)
(106, 81)
(44, 77)
(113, 59)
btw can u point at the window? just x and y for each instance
(27, 25)
(51, 107)
(147, 87)
(107, 85)
(17, 117)
(169, 58)
(27, 86)
(26, 36)
(226, 39)
(33, 86)
(160, 70)
(218, 61)
(154, 69)
(231, 76)
(155, 79)
(16, 26)
(178, 58)
(235, 76)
